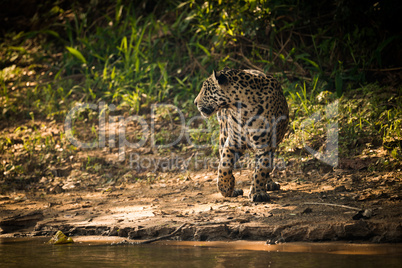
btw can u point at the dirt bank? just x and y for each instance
(339, 205)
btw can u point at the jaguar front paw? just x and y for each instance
(237, 192)
(260, 197)
(273, 186)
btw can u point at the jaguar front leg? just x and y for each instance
(263, 166)
(226, 180)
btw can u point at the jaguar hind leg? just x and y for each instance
(263, 165)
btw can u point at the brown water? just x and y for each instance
(99, 253)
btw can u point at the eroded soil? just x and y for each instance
(340, 204)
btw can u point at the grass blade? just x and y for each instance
(76, 54)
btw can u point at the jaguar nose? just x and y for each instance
(195, 102)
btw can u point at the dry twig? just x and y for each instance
(161, 237)
(332, 205)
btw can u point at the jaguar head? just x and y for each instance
(213, 95)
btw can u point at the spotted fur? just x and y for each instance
(253, 114)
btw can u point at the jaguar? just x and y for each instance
(253, 115)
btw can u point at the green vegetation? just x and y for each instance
(133, 54)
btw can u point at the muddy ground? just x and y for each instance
(335, 205)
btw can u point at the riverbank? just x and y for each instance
(338, 206)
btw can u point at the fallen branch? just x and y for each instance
(333, 205)
(161, 237)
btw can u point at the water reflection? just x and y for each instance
(35, 253)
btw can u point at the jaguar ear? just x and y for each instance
(221, 78)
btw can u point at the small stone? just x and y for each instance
(363, 214)
(307, 211)
(60, 238)
(56, 189)
(367, 213)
